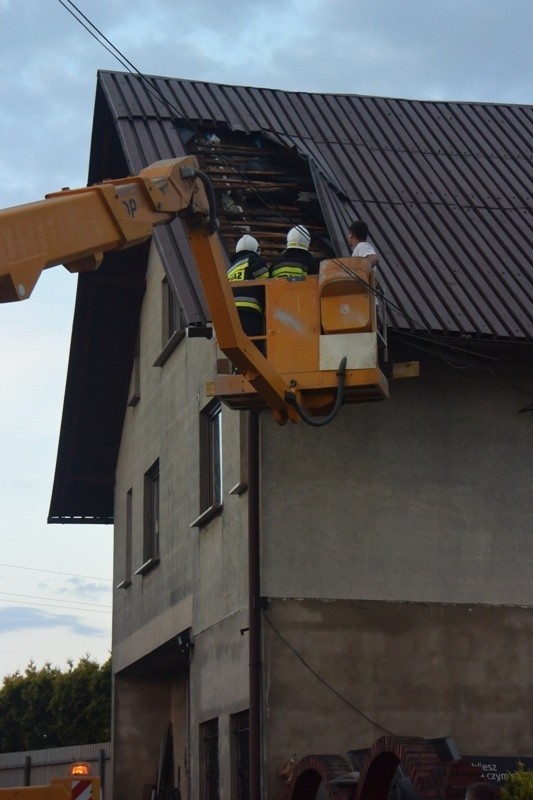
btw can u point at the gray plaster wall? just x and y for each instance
(396, 553)
(415, 669)
(143, 708)
(219, 688)
(423, 497)
(199, 579)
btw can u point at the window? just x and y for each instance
(210, 463)
(151, 520)
(135, 385)
(171, 314)
(172, 328)
(209, 760)
(126, 581)
(239, 727)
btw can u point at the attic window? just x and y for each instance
(261, 187)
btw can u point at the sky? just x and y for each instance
(56, 581)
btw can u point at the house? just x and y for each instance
(391, 565)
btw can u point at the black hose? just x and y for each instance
(318, 422)
(191, 172)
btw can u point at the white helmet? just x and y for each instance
(247, 242)
(299, 237)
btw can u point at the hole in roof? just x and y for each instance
(261, 188)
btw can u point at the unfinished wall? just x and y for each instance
(219, 688)
(401, 537)
(415, 669)
(200, 582)
(143, 708)
(423, 497)
(201, 562)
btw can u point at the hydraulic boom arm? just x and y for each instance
(76, 227)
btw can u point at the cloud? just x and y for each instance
(17, 619)
(79, 587)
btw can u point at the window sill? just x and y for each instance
(207, 515)
(134, 399)
(239, 488)
(169, 348)
(148, 566)
(123, 585)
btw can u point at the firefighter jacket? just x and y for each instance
(294, 262)
(248, 266)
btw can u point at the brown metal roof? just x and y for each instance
(445, 188)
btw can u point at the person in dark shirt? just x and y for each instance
(246, 266)
(295, 261)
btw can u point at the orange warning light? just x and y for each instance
(80, 768)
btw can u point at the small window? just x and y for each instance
(135, 384)
(209, 774)
(173, 321)
(126, 581)
(151, 520)
(210, 463)
(239, 727)
(172, 328)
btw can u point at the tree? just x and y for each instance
(519, 784)
(49, 708)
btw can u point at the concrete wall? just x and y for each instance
(404, 528)
(204, 564)
(423, 497)
(143, 708)
(414, 669)
(219, 688)
(201, 580)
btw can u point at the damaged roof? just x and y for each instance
(445, 188)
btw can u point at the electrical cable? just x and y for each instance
(323, 681)
(49, 605)
(53, 599)
(55, 572)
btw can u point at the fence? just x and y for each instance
(37, 767)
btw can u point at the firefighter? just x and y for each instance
(296, 261)
(248, 265)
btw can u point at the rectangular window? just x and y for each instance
(172, 328)
(239, 727)
(151, 520)
(210, 463)
(135, 384)
(209, 781)
(126, 581)
(173, 322)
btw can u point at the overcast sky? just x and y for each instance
(55, 581)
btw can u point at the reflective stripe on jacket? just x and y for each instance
(248, 266)
(294, 262)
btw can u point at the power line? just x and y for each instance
(54, 600)
(323, 681)
(49, 605)
(55, 572)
